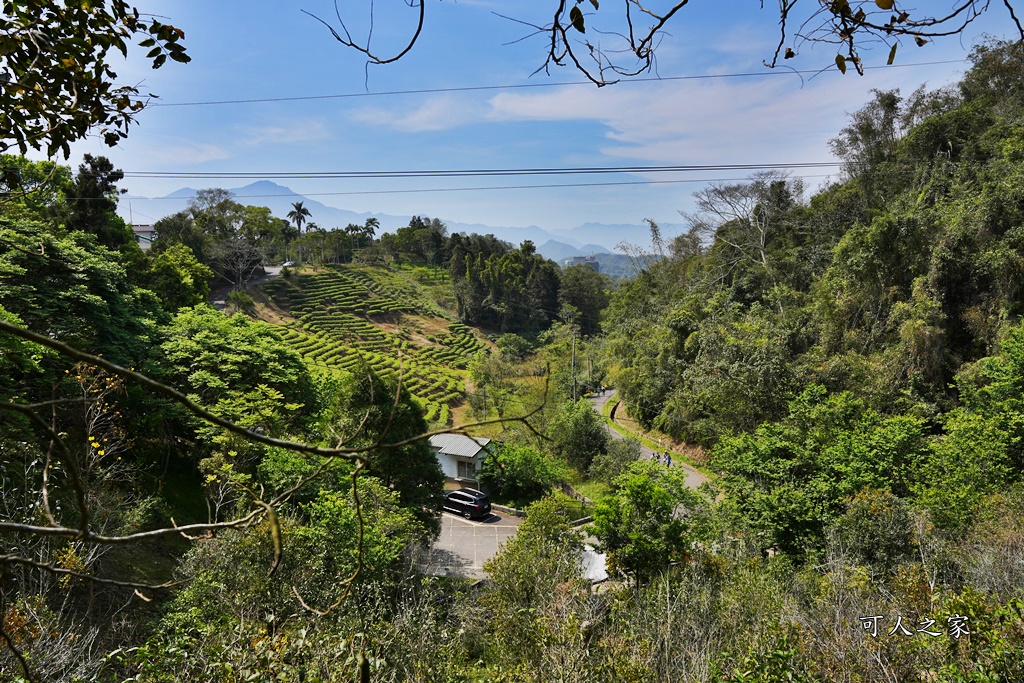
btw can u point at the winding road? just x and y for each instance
(694, 478)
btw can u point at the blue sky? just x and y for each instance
(256, 49)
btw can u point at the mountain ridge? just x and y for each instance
(556, 244)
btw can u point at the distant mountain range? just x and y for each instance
(557, 245)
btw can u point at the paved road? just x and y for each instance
(693, 477)
(464, 545)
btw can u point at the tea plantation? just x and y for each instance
(348, 315)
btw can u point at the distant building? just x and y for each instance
(584, 261)
(144, 235)
(461, 458)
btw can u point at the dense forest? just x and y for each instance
(183, 494)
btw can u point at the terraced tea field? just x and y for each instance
(348, 317)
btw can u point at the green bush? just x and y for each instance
(240, 301)
(519, 475)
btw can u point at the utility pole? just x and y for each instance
(573, 363)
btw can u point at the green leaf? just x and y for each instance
(884, 4)
(159, 61)
(576, 17)
(841, 63)
(595, 4)
(892, 53)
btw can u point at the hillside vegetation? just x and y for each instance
(851, 367)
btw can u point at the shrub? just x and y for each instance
(520, 474)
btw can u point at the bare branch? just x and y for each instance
(1013, 15)
(60, 571)
(76, 534)
(643, 24)
(9, 642)
(347, 41)
(72, 466)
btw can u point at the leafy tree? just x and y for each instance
(76, 291)
(494, 379)
(33, 189)
(993, 388)
(513, 346)
(320, 246)
(58, 80)
(789, 479)
(543, 556)
(872, 134)
(370, 411)
(232, 239)
(586, 291)
(620, 455)
(320, 553)
(92, 204)
(994, 75)
(514, 291)
(520, 473)
(179, 279)
(241, 370)
(579, 433)
(240, 302)
(390, 529)
(648, 522)
(877, 528)
(424, 239)
(981, 449)
(180, 228)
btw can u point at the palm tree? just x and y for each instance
(298, 215)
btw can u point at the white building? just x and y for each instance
(144, 235)
(461, 458)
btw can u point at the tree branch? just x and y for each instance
(347, 41)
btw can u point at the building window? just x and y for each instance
(467, 470)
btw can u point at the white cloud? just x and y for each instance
(145, 151)
(442, 112)
(766, 120)
(297, 131)
(179, 152)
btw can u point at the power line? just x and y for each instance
(474, 173)
(520, 86)
(477, 188)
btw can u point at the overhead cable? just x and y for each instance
(479, 172)
(520, 86)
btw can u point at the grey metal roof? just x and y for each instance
(458, 444)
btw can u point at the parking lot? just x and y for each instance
(464, 545)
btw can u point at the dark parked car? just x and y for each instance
(469, 503)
